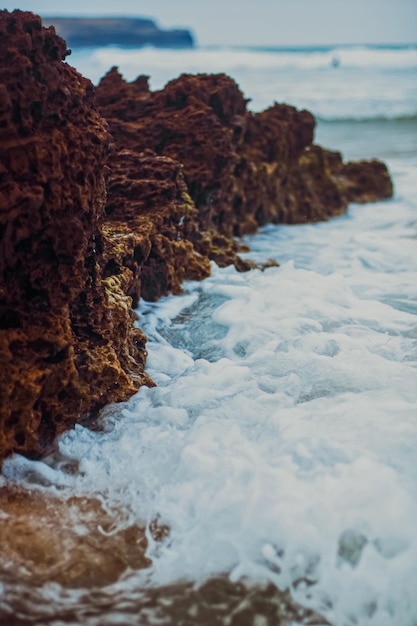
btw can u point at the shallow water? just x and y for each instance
(280, 443)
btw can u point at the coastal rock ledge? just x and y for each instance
(91, 220)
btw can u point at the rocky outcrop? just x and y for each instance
(242, 169)
(89, 222)
(124, 31)
(68, 344)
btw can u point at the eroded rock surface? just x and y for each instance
(242, 169)
(68, 344)
(150, 225)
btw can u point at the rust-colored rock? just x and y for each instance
(363, 181)
(242, 169)
(67, 340)
(149, 227)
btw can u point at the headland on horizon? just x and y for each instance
(126, 31)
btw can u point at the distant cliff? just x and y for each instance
(126, 31)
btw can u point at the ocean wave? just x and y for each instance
(322, 57)
(343, 83)
(365, 56)
(228, 58)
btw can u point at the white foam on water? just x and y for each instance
(366, 83)
(280, 442)
(226, 59)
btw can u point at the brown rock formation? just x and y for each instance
(67, 340)
(149, 226)
(242, 169)
(190, 168)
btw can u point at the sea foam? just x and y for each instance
(334, 83)
(280, 441)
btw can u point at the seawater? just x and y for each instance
(280, 442)
(348, 82)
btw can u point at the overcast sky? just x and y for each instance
(258, 22)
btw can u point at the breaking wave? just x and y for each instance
(341, 83)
